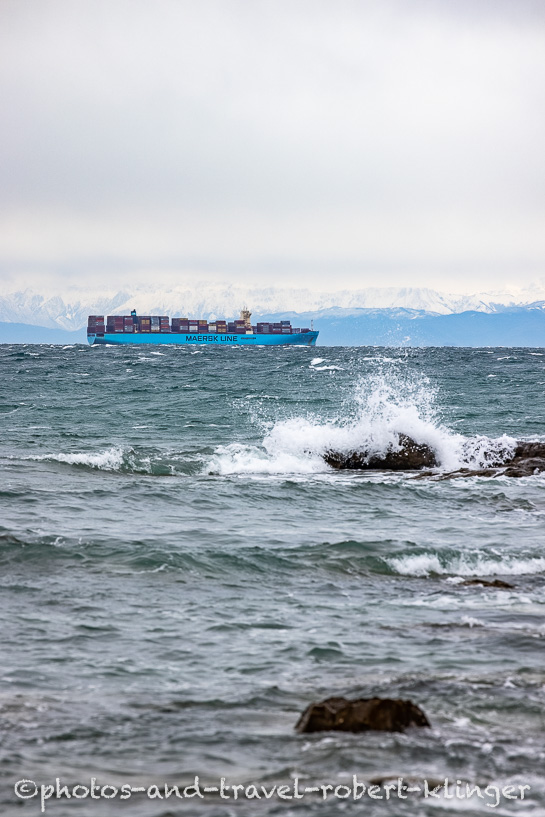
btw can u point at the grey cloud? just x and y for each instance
(349, 135)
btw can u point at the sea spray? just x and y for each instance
(388, 402)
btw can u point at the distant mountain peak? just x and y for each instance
(69, 310)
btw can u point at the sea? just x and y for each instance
(182, 575)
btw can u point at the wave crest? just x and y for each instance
(476, 564)
(114, 459)
(382, 407)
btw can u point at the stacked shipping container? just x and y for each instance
(95, 325)
(161, 324)
(114, 323)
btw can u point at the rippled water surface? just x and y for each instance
(182, 573)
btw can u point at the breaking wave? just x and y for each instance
(109, 460)
(114, 459)
(250, 459)
(464, 564)
(314, 365)
(382, 407)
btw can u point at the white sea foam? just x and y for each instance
(314, 365)
(249, 459)
(470, 621)
(482, 451)
(384, 406)
(109, 460)
(328, 368)
(426, 564)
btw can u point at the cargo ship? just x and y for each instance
(120, 330)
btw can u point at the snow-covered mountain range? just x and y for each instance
(69, 310)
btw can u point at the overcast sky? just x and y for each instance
(334, 143)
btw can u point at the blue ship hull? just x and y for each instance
(205, 339)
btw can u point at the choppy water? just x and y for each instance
(182, 574)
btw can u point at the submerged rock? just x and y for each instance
(407, 456)
(361, 715)
(487, 583)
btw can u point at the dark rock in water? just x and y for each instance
(529, 450)
(463, 472)
(528, 459)
(487, 583)
(361, 715)
(409, 456)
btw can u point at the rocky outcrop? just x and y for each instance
(528, 459)
(407, 456)
(361, 715)
(526, 450)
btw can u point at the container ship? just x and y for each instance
(131, 329)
